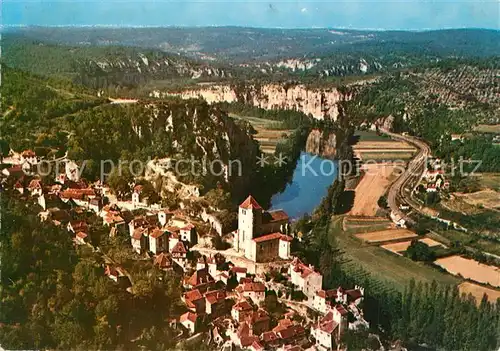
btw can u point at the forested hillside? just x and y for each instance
(55, 296)
(445, 99)
(242, 44)
(100, 67)
(54, 119)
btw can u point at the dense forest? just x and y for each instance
(55, 297)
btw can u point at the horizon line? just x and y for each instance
(102, 26)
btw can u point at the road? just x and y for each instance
(409, 178)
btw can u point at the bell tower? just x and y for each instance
(249, 221)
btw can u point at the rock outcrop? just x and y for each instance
(320, 103)
(320, 144)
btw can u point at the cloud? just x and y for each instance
(304, 10)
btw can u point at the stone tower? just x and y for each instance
(249, 223)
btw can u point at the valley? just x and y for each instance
(220, 188)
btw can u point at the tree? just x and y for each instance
(4, 149)
(419, 251)
(120, 181)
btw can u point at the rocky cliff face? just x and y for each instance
(210, 145)
(320, 103)
(320, 144)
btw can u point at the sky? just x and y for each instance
(358, 14)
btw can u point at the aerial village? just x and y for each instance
(224, 291)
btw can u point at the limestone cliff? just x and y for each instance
(320, 144)
(320, 103)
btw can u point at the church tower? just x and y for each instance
(249, 222)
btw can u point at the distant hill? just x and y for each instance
(247, 44)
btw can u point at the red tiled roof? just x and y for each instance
(301, 268)
(172, 229)
(278, 215)
(243, 330)
(189, 316)
(327, 294)
(163, 261)
(267, 237)
(257, 346)
(268, 336)
(28, 153)
(259, 316)
(257, 287)
(112, 218)
(246, 341)
(291, 331)
(156, 233)
(179, 248)
(34, 184)
(201, 276)
(250, 203)
(327, 324)
(193, 295)
(138, 188)
(78, 226)
(354, 294)
(215, 296)
(242, 306)
(81, 235)
(282, 324)
(341, 309)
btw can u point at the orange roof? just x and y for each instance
(28, 153)
(156, 233)
(341, 309)
(163, 261)
(250, 203)
(327, 324)
(189, 316)
(272, 236)
(193, 295)
(258, 316)
(81, 235)
(179, 248)
(268, 336)
(215, 296)
(257, 287)
(278, 215)
(34, 184)
(242, 306)
(201, 276)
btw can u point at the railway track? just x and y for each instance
(409, 178)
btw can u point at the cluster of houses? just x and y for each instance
(433, 178)
(236, 314)
(229, 299)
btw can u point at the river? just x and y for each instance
(311, 179)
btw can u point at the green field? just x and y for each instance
(269, 132)
(397, 271)
(466, 239)
(387, 156)
(369, 135)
